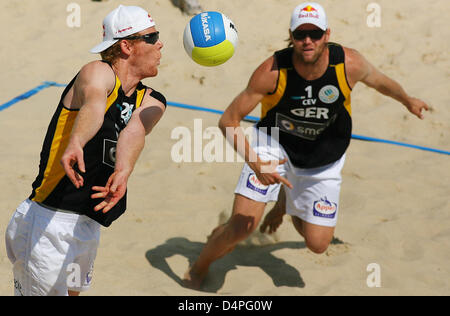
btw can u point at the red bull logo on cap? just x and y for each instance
(309, 8)
(309, 12)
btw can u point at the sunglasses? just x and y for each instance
(150, 38)
(300, 35)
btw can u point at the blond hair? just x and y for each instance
(113, 53)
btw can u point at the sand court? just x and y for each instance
(394, 205)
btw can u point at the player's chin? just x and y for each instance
(153, 72)
(310, 58)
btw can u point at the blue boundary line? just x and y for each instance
(371, 139)
(254, 119)
(251, 119)
(30, 93)
(199, 108)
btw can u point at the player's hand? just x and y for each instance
(73, 163)
(266, 172)
(114, 190)
(415, 106)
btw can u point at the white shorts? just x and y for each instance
(315, 194)
(51, 252)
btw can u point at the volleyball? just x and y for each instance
(210, 38)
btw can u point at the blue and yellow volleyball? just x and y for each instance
(210, 38)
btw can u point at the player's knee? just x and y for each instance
(241, 227)
(317, 246)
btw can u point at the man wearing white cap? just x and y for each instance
(301, 139)
(92, 143)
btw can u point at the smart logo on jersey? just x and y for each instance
(328, 94)
(324, 208)
(302, 129)
(254, 184)
(287, 125)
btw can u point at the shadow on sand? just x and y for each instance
(282, 274)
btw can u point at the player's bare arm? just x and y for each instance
(129, 146)
(359, 69)
(89, 94)
(262, 82)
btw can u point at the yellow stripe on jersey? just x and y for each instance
(343, 85)
(54, 171)
(271, 100)
(139, 97)
(113, 95)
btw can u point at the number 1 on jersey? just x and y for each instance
(309, 90)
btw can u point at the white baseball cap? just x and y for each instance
(309, 13)
(122, 22)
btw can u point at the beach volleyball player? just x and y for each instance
(304, 91)
(92, 143)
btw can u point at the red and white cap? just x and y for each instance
(309, 13)
(122, 22)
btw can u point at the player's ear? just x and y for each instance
(327, 34)
(290, 40)
(126, 47)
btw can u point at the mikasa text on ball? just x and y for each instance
(210, 38)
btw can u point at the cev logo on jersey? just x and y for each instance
(324, 208)
(328, 94)
(254, 184)
(308, 99)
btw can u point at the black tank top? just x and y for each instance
(53, 188)
(313, 117)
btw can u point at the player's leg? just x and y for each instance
(44, 247)
(317, 238)
(314, 204)
(245, 218)
(274, 217)
(17, 238)
(35, 250)
(80, 267)
(251, 197)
